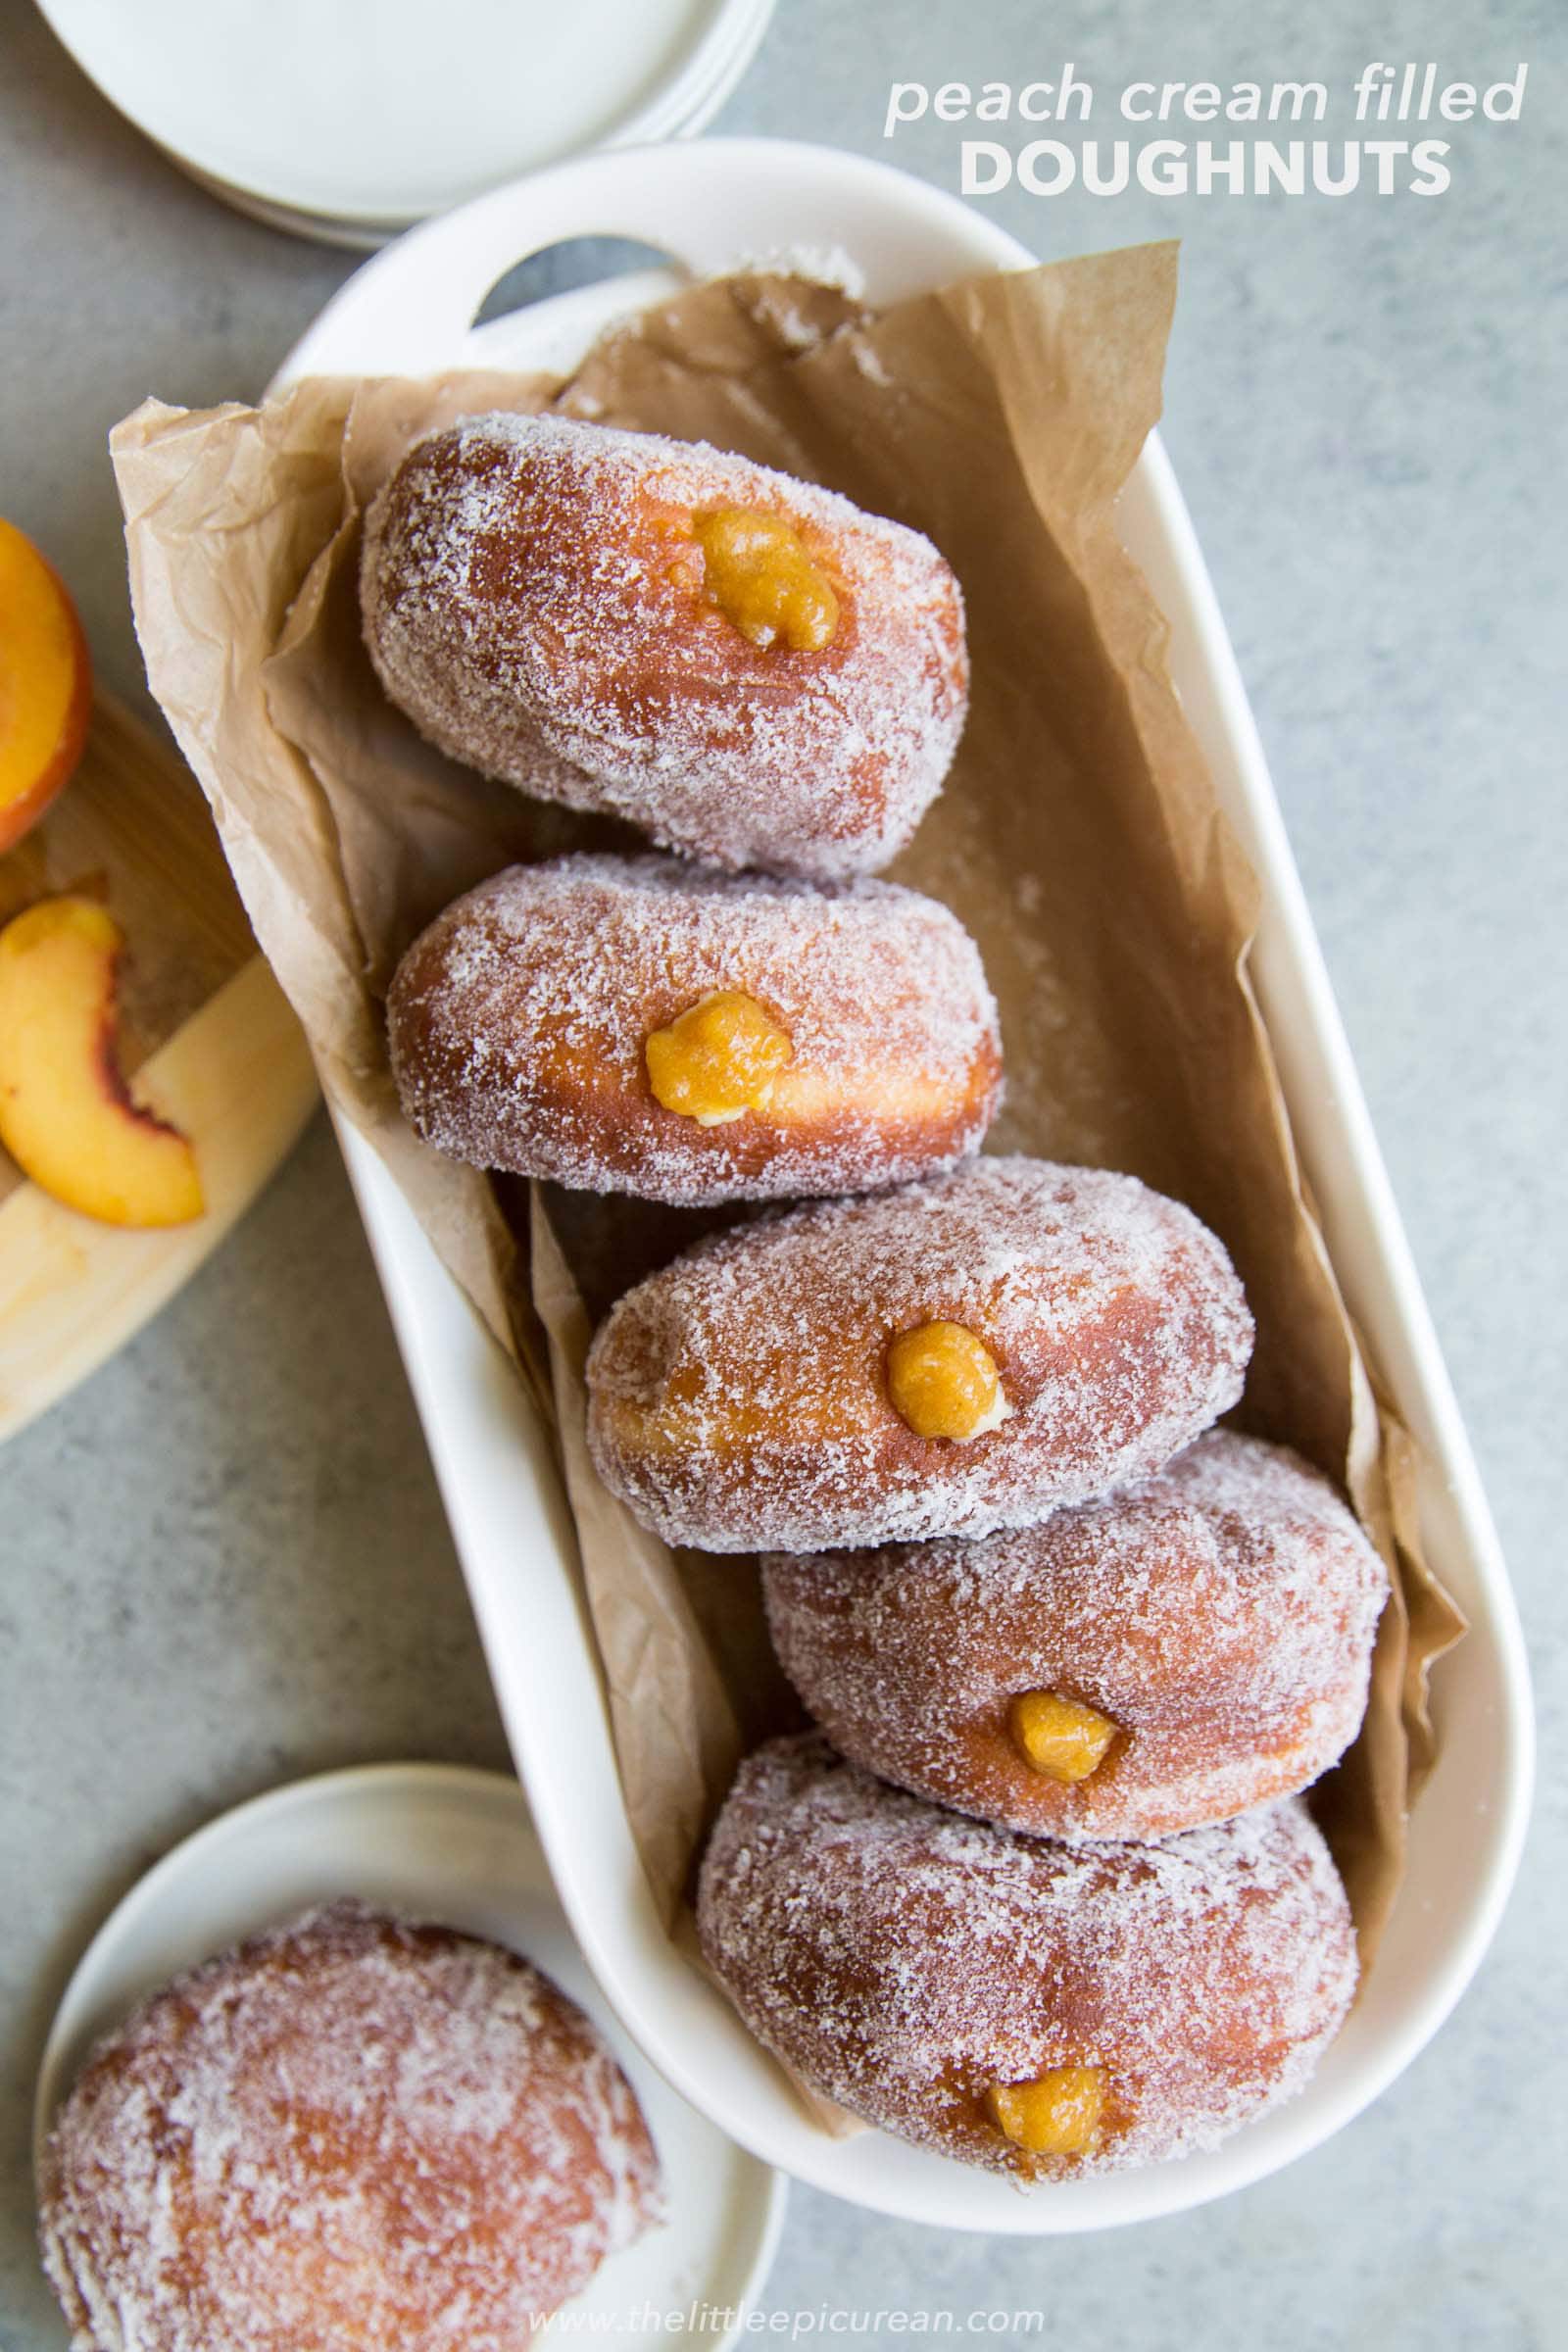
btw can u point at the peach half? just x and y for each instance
(67, 1117)
(45, 685)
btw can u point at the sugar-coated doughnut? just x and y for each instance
(964, 1354)
(746, 667)
(346, 2131)
(634, 1025)
(1170, 1655)
(1038, 2009)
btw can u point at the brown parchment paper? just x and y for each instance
(1079, 838)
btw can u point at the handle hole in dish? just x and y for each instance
(561, 267)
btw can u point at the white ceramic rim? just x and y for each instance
(691, 92)
(760, 2194)
(409, 312)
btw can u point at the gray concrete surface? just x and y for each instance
(225, 1562)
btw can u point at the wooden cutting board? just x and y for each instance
(207, 1037)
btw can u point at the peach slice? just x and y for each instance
(66, 1114)
(45, 685)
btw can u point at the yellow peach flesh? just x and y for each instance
(66, 1117)
(45, 685)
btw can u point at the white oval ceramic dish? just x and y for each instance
(711, 206)
(348, 120)
(444, 1844)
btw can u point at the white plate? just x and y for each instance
(709, 205)
(347, 120)
(455, 1846)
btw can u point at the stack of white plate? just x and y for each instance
(350, 120)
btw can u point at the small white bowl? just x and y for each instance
(444, 1844)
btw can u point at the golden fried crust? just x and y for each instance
(518, 1025)
(346, 2131)
(533, 598)
(902, 1960)
(1221, 1614)
(739, 1400)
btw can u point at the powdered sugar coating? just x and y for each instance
(517, 1023)
(902, 1960)
(348, 2132)
(738, 1399)
(525, 600)
(1222, 1613)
